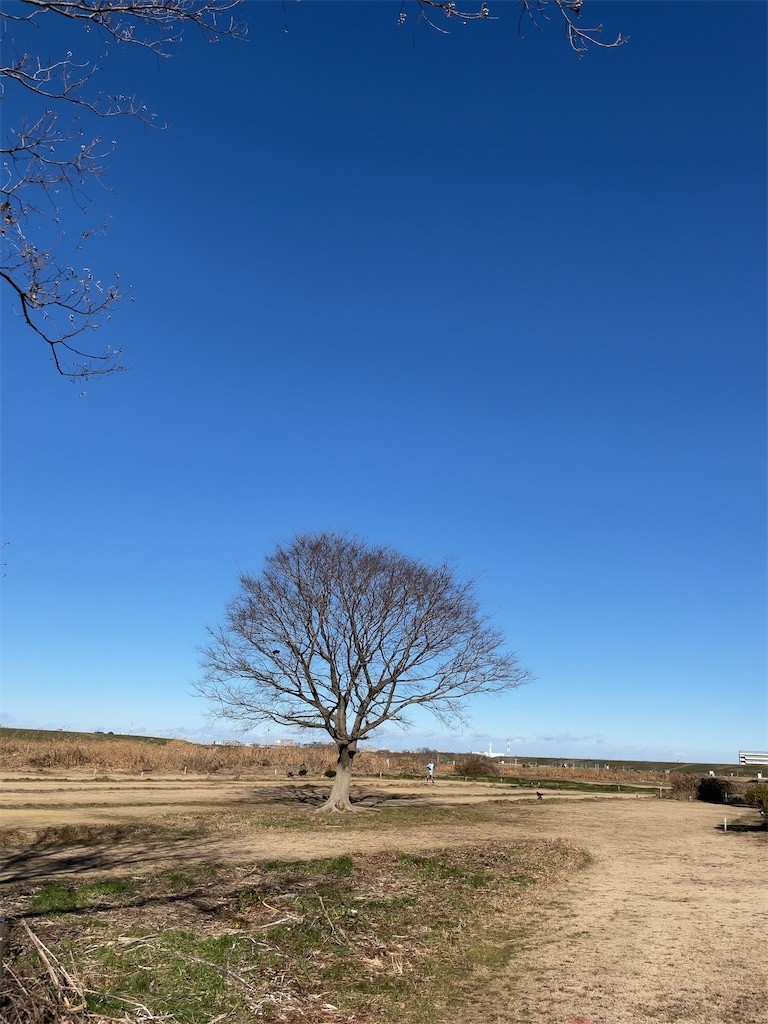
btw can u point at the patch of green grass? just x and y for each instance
(180, 881)
(189, 976)
(433, 869)
(194, 978)
(61, 897)
(341, 866)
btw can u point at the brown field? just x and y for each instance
(121, 755)
(665, 924)
(54, 752)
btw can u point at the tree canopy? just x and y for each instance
(338, 636)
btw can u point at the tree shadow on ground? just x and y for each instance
(198, 900)
(39, 861)
(311, 795)
(743, 825)
(194, 900)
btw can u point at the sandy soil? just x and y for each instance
(666, 925)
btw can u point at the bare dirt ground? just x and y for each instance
(666, 925)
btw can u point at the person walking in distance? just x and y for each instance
(431, 772)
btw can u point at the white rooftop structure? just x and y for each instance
(753, 757)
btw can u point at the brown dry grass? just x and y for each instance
(61, 753)
(117, 755)
(621, 776)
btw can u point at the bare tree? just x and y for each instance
(51, 156)
(339, 637)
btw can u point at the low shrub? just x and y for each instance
(684, 786)
(757, 797)
(477, 765)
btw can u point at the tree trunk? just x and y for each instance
(339, 795)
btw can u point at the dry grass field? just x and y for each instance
(41, 751)
(195, 898)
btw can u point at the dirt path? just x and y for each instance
(667, 925)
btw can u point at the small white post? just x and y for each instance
(725, 824)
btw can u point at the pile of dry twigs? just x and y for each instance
(37, 988)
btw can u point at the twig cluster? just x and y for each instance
(50, 160)
(54, 994)
(579, 38)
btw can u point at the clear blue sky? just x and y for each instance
(464, 294)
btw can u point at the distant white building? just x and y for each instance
(758, 757)
(490, 752)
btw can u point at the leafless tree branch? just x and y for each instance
(339, 636)
(580, 39)
(54, 156)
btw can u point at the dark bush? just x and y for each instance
(714, 790)
(330, 774)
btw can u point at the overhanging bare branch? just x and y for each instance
(52, 159)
